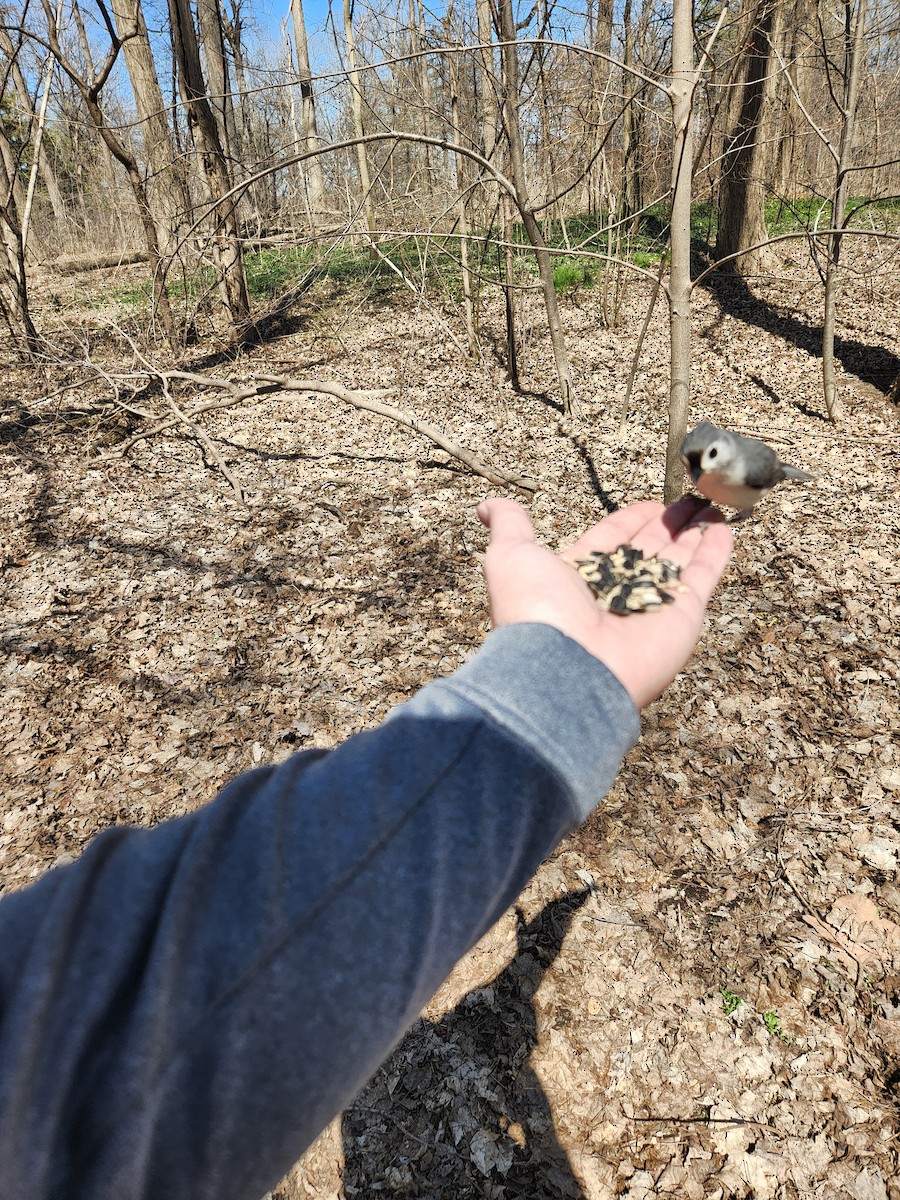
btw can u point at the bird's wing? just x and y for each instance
(761, 464)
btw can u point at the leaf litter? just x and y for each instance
(158, 637)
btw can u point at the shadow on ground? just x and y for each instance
(873, 364)
(458, 1112)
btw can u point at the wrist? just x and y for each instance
(556, 694)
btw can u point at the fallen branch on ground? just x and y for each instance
(96, 262)
(367, 401)
(264, 385)
(207, 444)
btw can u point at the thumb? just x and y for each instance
(507, 520)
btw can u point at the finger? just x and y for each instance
(709, 560)
(507, 520)
(612, 531)
(682, 547)
(649, 526)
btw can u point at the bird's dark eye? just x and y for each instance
(713, 452)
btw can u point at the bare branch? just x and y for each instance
(784, 237)
(265, 385)
(205, 442)
(365, 400)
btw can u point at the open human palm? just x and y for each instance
(528, 582)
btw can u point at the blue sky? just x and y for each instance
(266, 15)
(262, 15)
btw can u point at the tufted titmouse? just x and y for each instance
(732, 470)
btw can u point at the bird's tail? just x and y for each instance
(794, 473)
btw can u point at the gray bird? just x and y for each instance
(732, 470)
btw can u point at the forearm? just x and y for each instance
(186, 1007)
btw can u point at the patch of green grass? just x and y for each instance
(590, 232)
(271, 272)
(276, 271)
(810, 212)
(643, 258)
(772, 1022)
(182, 287)
(354, 264)
(863, 212)
(789, 216)
(135, 296)
(731, 1001)
(569, 274)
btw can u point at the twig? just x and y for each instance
(266, 384)
(238, 396)
(206, 442)
(708, 1121)
(366, 401)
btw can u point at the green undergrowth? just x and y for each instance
(804, 214)
(581, 245)
(569, 273)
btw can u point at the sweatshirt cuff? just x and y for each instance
(553, 695)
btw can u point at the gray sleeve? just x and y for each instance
(185, 1008)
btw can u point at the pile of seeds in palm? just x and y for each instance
(625, 582)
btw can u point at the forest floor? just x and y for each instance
(699, 994)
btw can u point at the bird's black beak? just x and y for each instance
(692, 465)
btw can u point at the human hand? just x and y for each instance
(528, 582)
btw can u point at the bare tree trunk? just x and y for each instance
(310, 134)
(13, 282)
(600, 35)
(227, 251)
(90, 95)
(485, 134)
(14, 294)
(48, 175)
(420, 67)
(510, 116)
(109, 163)
(789, 151)
(550, 169)
(37, 143)
(169, 195)
(13, 193)
(854, 33)
(509, 292)
(742, 186)
(487, 78)
(249, 146)
(209, 17)
(362, 160)
(459, 174)
(632, 183)
(681, 93)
